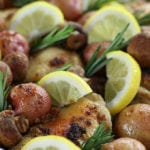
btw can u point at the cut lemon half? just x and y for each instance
(64, 87)
(108, 21)
(124, 76)
(36, 19)
(50, 142)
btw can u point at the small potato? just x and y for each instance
(6, 69)
(134, 122)
(146, 78)
(18, 63)
(6, 4)
(11, 41)
(124, 144)
(90, 49)
(82, 20)
(30, 100)
(139, 48)
(72, 9)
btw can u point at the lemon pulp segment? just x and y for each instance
(108, 21)
(64, 87)
(36, 19)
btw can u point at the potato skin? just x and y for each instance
(90, 49)
(124, 144)
(134, 122)
(72, 10)
(139, 48)
(18, 63)
(11, 41)
(30, 100)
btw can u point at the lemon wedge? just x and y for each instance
(64, 87)
(124, 76)
(108, 21)
(50, 142)
(36, 19)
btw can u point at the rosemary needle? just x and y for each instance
(96, 4)
(20, 3)
(64, 67)
(101, 136)
(55, 36)
(95, 63)
(144, 20)
(3, 92)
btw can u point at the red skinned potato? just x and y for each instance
(6, 69)
(72, 9)
(90, 49)
(82, 20)
(18, 63)
(134, 122)
(124, 144)
(11, 41)
(30, 100)
(6, 4)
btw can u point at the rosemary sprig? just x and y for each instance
(95, 63)
(55, 36)
(3, 92)
(64, 67)
(101, 136)
(142, 19)
(96, 4)
(145, 20)
(20, 3)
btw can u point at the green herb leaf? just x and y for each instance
(96, 4)
(64, 67)
(20, 3)
(54, 37)
(101, 136)
(145, 20)
(3, 91)
(98, 62)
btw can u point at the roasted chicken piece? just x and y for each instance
(48, 60)
(77, 122)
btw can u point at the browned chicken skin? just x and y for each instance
(84, 116)
(76, 122)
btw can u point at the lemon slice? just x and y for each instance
(64, 87)
(50, 142)
(108, 21)
(36, 19)
(124, 76)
